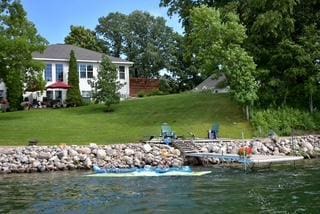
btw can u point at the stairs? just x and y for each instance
(185, 146)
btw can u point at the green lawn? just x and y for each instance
(130, 122)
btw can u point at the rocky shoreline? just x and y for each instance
(54, 158)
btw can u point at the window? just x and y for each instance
(58, 95)
(49, 95)
(48, 73)
(59, 72)
(82, 69)
(86, 71)
(122, 72)
(86, 94)
(1, 94)
(90, 71)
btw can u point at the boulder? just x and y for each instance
(36, 164)
(87, 163)
(33, 154)
(204, 149)
(62, 154)
(44, 155)
(84, 150)
(101, 154)
(93, 146)
(307, 145)
(72, 152)
(177, 152)
(111, 152)
(129, 152)
(147, 148)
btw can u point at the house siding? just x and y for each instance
(83, 82)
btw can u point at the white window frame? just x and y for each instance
(122, 72)
(86, 70)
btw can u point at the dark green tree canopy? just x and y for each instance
(85, 38)
(216, 40)
(142, 38)
(113, 29)
(149, 44)
(18, 40)
(183, 8)
(73, 93)
(107, 86)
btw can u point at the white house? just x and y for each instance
(56, 59)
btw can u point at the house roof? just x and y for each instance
(62, 52)
(210, 83)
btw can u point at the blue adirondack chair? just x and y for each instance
(214, 131)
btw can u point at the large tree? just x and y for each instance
(183, 8)
(278, 40)
(18, 40)
(216, 40)
(107, 86)
(73, 93)
(149, 43)
(142, 38)
(113, 29)
(85, 38)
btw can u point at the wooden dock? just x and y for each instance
(248, 162)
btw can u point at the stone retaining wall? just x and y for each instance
(307, 146)
(53, 158)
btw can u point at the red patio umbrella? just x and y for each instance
(59, 85)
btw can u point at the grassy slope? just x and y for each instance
(131, 121)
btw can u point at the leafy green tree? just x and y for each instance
(35, 81)
(107, 87)
(216, 41)
(113, 29)
(73, 93)
(183, 8)
(85, 38)
(18, 40)
(310, 42)
(149, 43)
(278, 40)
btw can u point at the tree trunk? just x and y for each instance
(247, 113)
(311, 103)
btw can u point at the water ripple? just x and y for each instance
(277, 190)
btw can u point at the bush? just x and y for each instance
(282, 121)
(141, 94)
(156, 92)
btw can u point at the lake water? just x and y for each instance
(281, 189)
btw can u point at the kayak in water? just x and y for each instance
(147, 172)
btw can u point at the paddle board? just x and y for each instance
(148, 174)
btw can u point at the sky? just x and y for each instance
(53, 18)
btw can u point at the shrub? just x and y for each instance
(282, 121)
(156, 92)
(141, 94)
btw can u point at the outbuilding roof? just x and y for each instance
(62, 52)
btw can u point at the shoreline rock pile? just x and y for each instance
(54, 158)
(307, 146)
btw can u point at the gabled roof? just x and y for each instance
(210, 83)
(62, 52)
